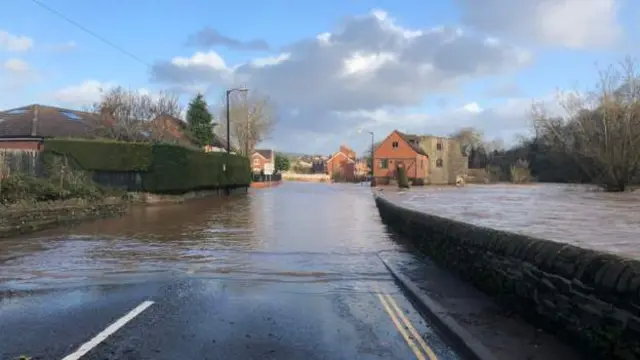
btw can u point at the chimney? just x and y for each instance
(34, 122)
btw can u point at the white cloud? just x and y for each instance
(84, 94)
(16, 66)
(566, 23)
(473, 108)
(270, 60)
(365, 64)
(506, 120)
(63, 47)
(14, 43)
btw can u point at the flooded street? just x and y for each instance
(572, 214)
(282, 273)
(296, 232)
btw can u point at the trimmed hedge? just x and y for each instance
(176, 169)
(103, 155)
(164, 168)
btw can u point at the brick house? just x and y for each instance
(260, 158)
(428, 159)
(342, 164)
(400, 149)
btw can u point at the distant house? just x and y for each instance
(261, 160)
(427, 159)
(26, 127)
(362, 167)
(342, 164)
(400, 149)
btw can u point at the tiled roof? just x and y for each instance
(48, 121)
(267, 154)
(413, 141)
(51, 122)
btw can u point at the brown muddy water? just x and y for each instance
(298, 232)
(573, 214)
(301, 232)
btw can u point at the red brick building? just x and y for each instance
(342, 164)
(400, 149)
(262, 158)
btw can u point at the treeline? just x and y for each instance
(596, 140)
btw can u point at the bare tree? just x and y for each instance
(126, 114)
(600, 129)
(252, 119)
(469, 137)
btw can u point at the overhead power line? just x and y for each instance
(86, 30)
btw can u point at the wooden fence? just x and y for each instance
(21, 162)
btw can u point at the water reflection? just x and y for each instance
(295, 232)
(567, 213)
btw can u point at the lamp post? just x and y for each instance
(229, 115)
(373, 156)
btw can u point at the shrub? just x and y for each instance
(403, 180)
(103, 155)
(175, 169)
(164, 168)
(520, 172)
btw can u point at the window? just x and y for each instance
(439, 146)
(256, 161)
(439, 163)
(69, 115)
(394, 144)
(384, 164)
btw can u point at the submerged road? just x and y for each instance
(284, 273)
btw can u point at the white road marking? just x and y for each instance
(102, 336)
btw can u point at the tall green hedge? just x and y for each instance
(164, 168)
(103, 155)
(177, 169)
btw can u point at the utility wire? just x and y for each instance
(97, 36)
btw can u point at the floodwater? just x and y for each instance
(297, 232)
(572, 214)
(301, 232)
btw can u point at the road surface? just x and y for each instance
(261, 277)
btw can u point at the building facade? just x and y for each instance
(342, 164)
(446, 159)
(396, 150)
(262, 160)
(427, 159)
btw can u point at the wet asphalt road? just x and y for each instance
(218, 319)
(284, 273)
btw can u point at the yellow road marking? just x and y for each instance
(387, 299)
(412, 329)
(403, 332)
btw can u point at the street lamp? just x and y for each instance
(373, 157)
(228, 116)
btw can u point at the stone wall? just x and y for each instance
(16, 221)
(589, 298)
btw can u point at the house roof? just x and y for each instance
(265, 153)
(49, 122)
(340, 153)
(413, 141)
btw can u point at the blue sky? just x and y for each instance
(544, 45)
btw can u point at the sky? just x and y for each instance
(330, 68)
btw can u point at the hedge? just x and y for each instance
(164, 168)
(103, 155)
(176, 169)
